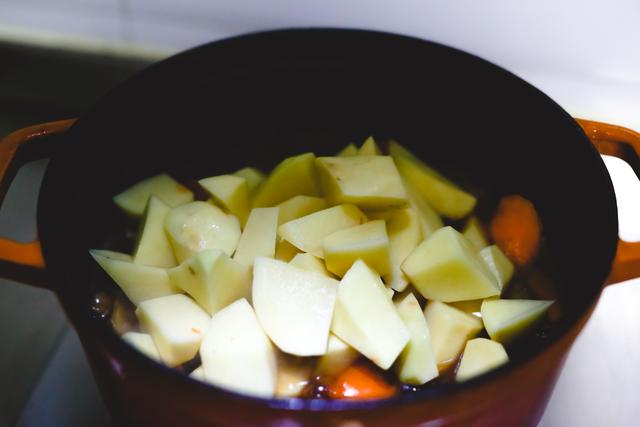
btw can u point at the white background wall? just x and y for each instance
(583, 53)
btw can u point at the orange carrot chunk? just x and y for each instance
(360, 382)
(516, 229)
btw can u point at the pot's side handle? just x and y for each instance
(625, 144)
(23, 261)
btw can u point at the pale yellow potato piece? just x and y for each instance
(498, 263)
(299, 206)
(469, 307)
(366, 319)
(368, 242)
(177, 325)
(338, 357)
(152, 246)
(138, 282)
(198, 226)
(474, 232)
(294, 176)
(253, 176)
(416, 364)
(371, 182)
(405, 233)
(212, 279)
(310, 263)
(259, 236)
(294, 373)
(285, 251)
(505, 319)
(143, 343)
(236, 353)
(349, 150)
(369, 148)
(430, 221)
(294, 306)
(307, 233)
(446, 267)
(450, 329)
(134, 199)
(480, 356)
(443, 195)
(230, 192)
(198, 374)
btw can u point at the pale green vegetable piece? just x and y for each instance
(299, 206)
(501, 266)
(417, 364)
(197, 226)
(505, 319)
(443, 195)
(366, 319)
(370, 182)
(480, 356)
(138, 282)
(177, 325)
(307, 233)
(368, 242)
(446, 267)
(369, 148)
(259, 236)
(134, 199)
(294, 176)
(474, 232)
(229, 191)
(152, 246)
(253, 176)
(212, 279)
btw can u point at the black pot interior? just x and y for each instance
(257, 99)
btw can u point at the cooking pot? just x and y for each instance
(255, 99)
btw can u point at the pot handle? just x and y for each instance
(19, 261)
(625, 144)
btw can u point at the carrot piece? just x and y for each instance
(516, 229)
(360, 382)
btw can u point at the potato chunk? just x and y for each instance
(229, 191)
(505, 319)
(152, 246)
(253, 176)
(371, 182)
(446, 267)
(299, 206)
(339, 355)
(369, 148)
(259, 236)
(405, 233)
(349, 150)
(177, 325)
(498, 263)
(310, 263)
(480, 356)
(134, 199)
(143, 343)
(294, 176)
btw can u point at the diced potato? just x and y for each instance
(369, 148)
(430, 221)
(237, 355)
(212, 279)
(339, 355)
(349, 150)
(285, 251)
(446, 267)
(480, 356)
(474, 232)
(405, 233)
(498, 263)
(152, 246)
(469, 307)
(143, 343)
(253, 176)
(307, 233)
(294, 306)
(299, 206)
(370, 182)
(390, 292)
(310, 263)
(368, 242)
(229, 191)
(294, 176)
(417, 364)
(505, 319)
(198, 374)
(259, 236)
(450, 329)
(134, 199)
(138, 282)
(294, 374)
(443, 195)
(177, 325)
(366, 319)
(197, 226)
